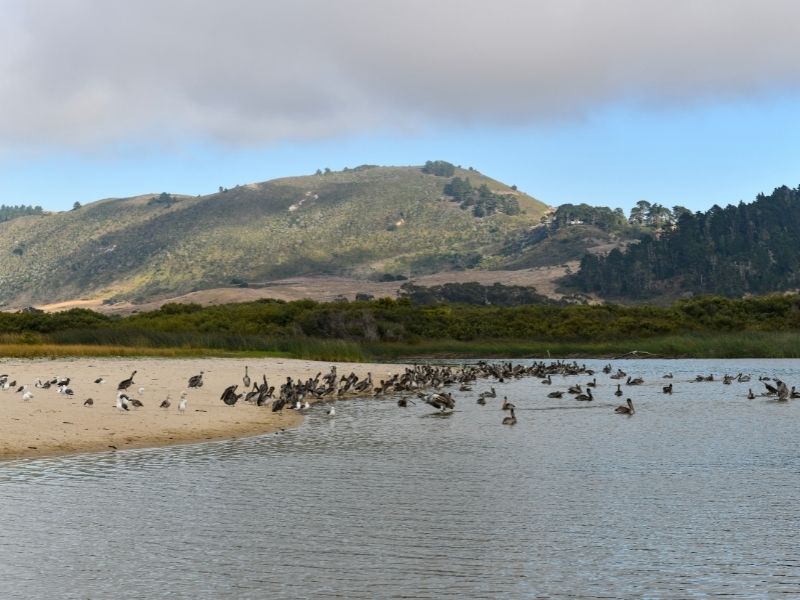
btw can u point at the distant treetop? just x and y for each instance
(12, 212)
(439, 167)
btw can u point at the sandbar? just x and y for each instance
(52, 423)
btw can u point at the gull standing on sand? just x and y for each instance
(182, 404)
(121, 402)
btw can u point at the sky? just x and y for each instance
(689, 102)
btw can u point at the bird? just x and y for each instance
(122, 402)
(88, 402)
(625, 410)
(556, 394)
(636, 381)
(587, 397)
(141, 391)
(481, 400)
(136, 403)
(667, 375)
(165, 403)
(196, 381)
(667, 389)
(506, 404)
(99, 380)
(750, 394)
(619, 390)
(182, 404)
(27, 395)
(229, 396)
(332, 411)
(510, 420)
(246, 379)
(126, 383)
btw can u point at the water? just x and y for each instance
(694, 496)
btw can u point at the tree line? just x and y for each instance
(745, 249)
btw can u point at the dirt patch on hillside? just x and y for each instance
(328, 289)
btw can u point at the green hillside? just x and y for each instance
(368, 222)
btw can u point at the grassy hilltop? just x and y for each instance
(365, 222)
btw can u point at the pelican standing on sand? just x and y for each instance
(126, 383)
(196, 381)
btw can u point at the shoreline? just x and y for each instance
(53, 424)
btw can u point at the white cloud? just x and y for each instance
(92, 72)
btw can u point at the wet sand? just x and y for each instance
(52, 423)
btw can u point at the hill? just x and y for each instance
(367, 223)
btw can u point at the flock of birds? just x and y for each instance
(423, 382)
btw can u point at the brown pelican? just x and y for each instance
(246, 379)
(667, 389)
(196, 381)
(506, 404)
(625, 410)
(637, 381)
(511, 420)
(555, 394)
(126, 383)
(88, 402)
(619, 390)
(587, 397)
(750, 394)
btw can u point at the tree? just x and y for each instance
(439, 167)
(76, 206)
(640, 214)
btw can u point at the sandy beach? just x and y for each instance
(51, 423)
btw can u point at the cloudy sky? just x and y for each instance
(690, 102)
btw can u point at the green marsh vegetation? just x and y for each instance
(389, 329)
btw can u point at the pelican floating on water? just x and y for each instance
(625, 410)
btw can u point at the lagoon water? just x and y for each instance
(694, 496)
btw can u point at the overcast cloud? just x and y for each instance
(92, 72)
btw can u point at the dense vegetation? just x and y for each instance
(12, 212)
(387, 326)
(473, 293)
(482, 200)
(749, 248)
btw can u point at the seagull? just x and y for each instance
(332, 411)
(28, 395)
(182, 403)
(122, 402)
(141, 391)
